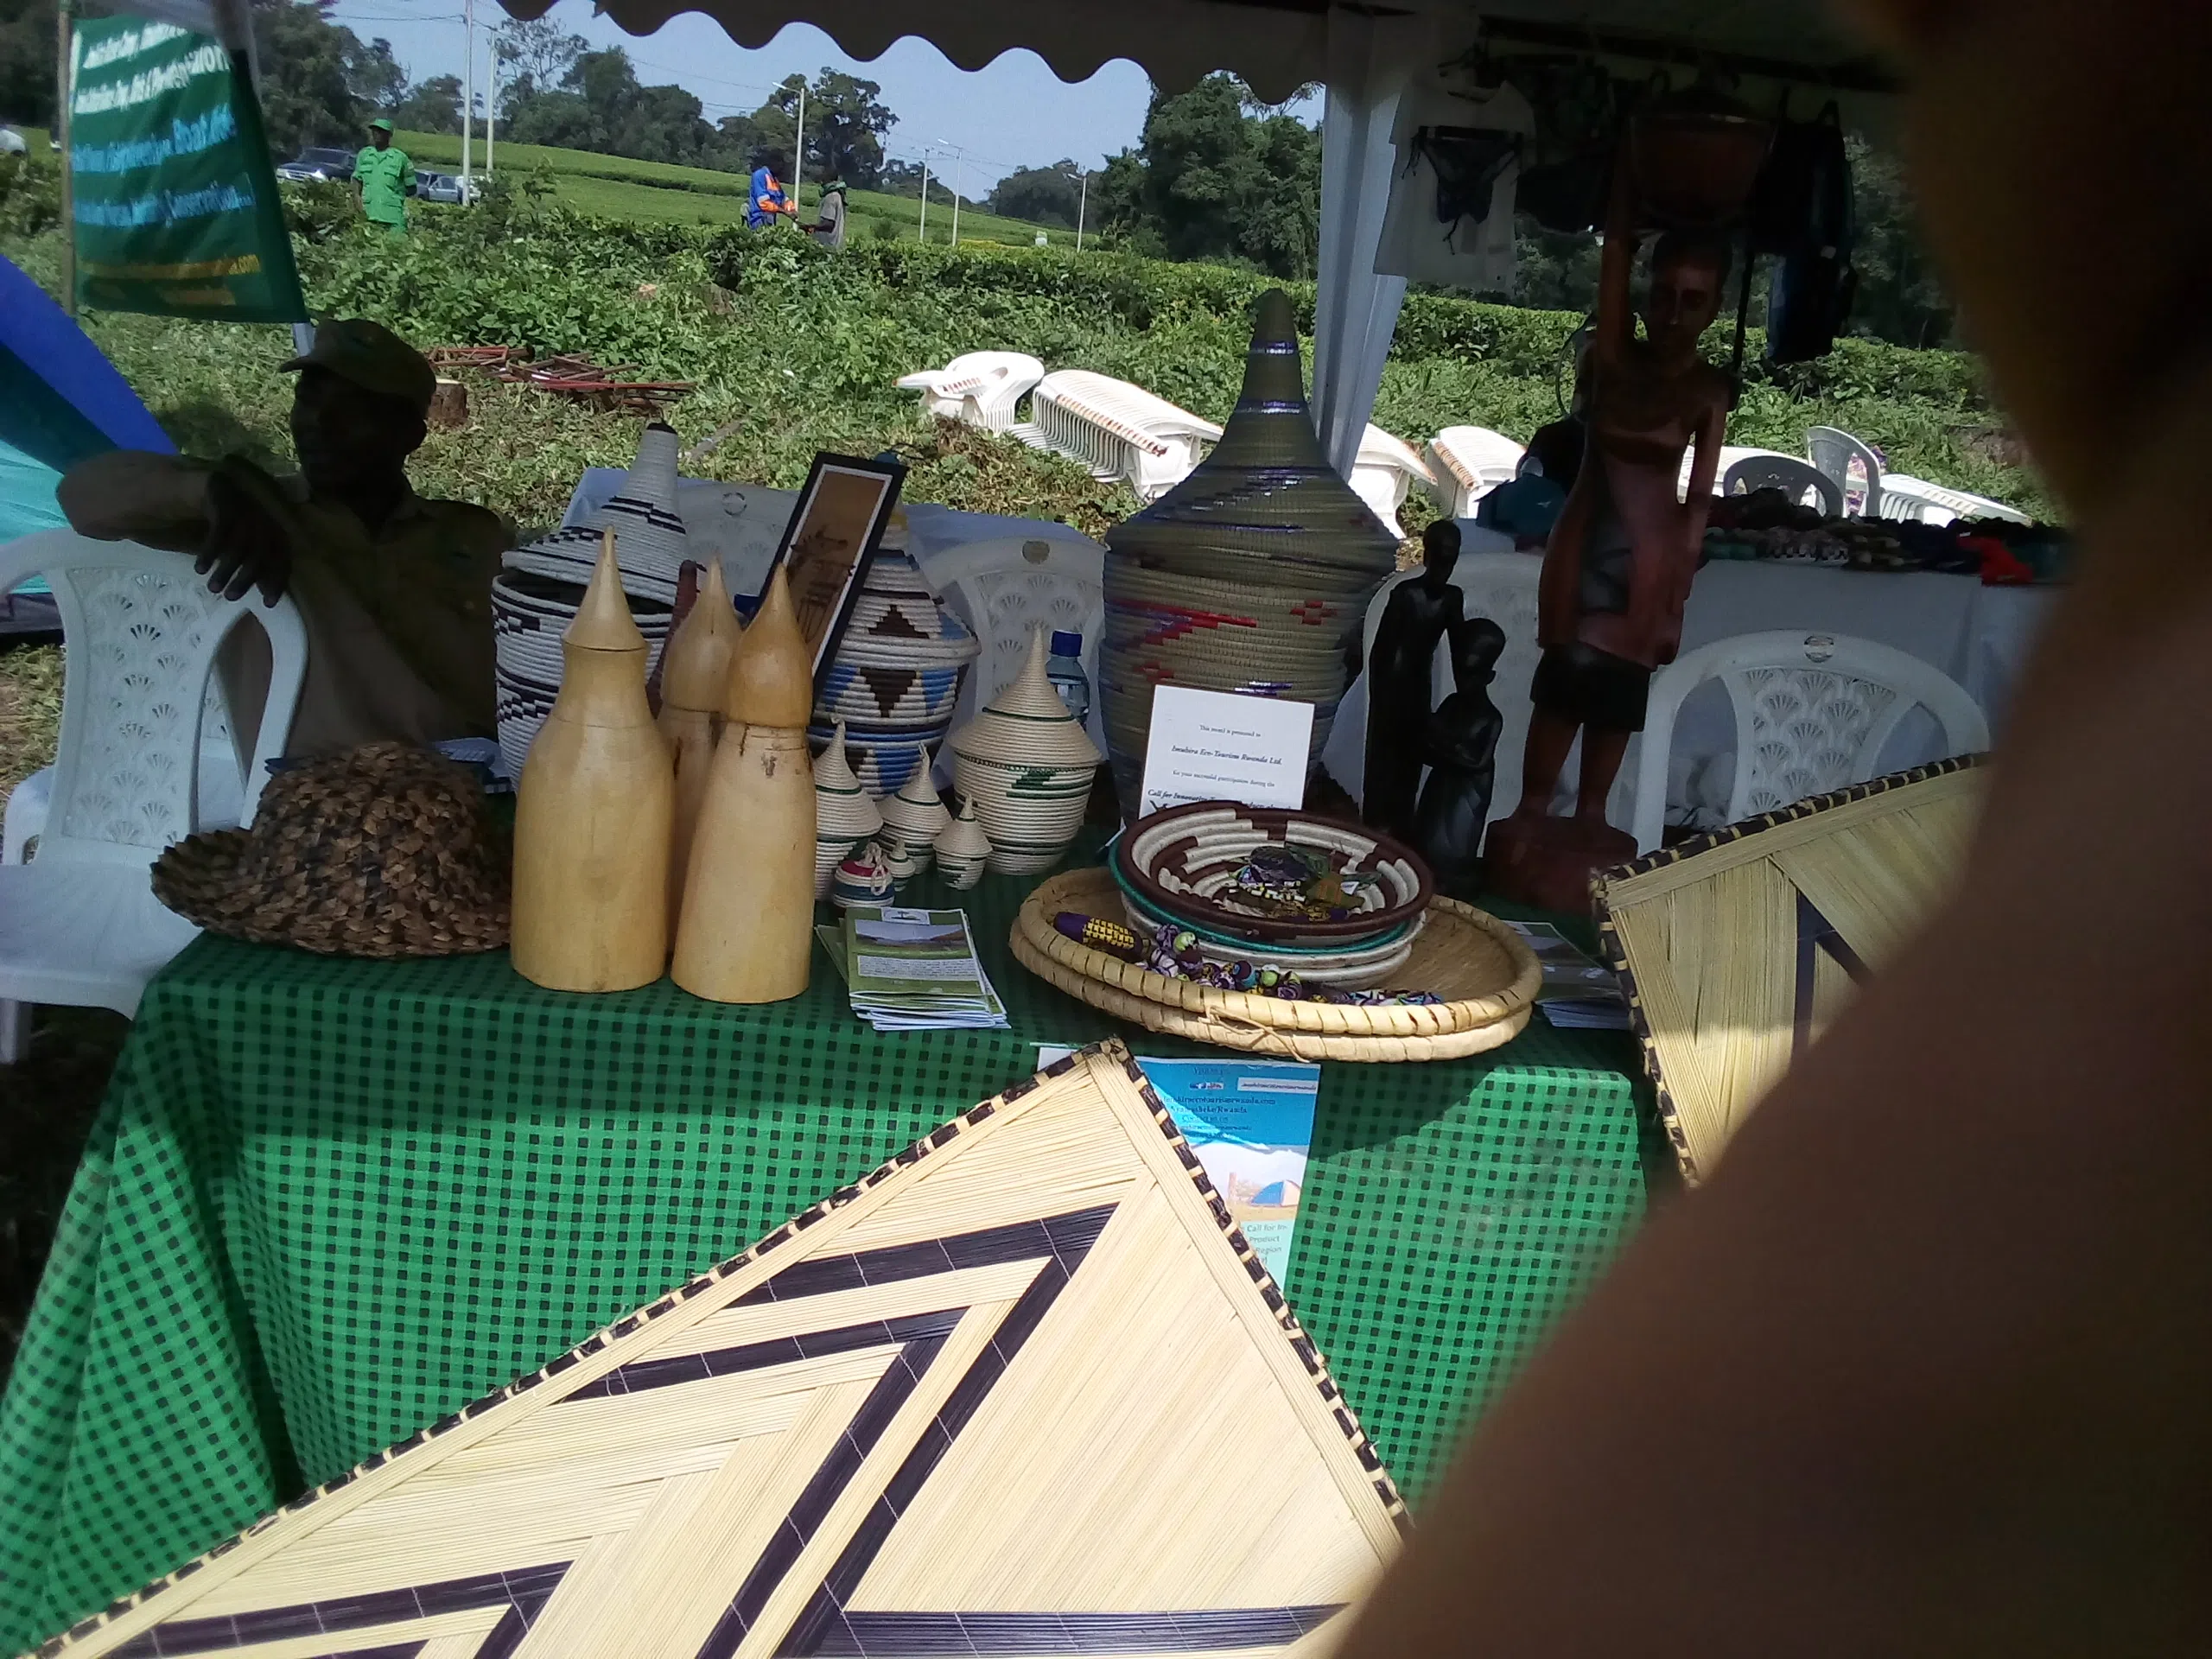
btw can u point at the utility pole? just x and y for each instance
(1081, 202)
(467, 92)
(925, 195)
(65, 49)
(492, 98)
(799, 146)
(959, 177)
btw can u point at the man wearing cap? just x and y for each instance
(382, 177)
(395, 589)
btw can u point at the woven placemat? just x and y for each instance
(1483, 969)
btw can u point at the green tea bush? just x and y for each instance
(800, 347)
(30, 194)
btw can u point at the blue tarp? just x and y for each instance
(60, 400)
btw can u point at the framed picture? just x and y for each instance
(829, 541)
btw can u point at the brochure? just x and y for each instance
(909, 969)
(1579, 994)
(1251, 1124)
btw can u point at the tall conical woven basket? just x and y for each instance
(1253, 574)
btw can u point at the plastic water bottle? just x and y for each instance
(1065, 669)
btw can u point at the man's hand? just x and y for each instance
(248, 533)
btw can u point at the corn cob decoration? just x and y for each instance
(1100, 934)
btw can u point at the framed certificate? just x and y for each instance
(831, 539)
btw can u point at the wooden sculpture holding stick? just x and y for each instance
(1616, 570)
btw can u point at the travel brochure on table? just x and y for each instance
(1251, 1124)
(1578, 994)
(908, 970)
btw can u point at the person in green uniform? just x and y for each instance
(395, 589)
(382, 178)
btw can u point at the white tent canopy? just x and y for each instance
(1279, 46)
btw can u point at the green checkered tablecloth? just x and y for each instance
(327, 1202)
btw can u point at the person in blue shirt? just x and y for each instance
(766, 199)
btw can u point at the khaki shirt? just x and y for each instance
(398, 624)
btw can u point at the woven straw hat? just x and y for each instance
(381, 851)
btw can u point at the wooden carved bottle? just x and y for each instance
(747, 927)
(694, 684)
(595, 810)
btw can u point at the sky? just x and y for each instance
(1015, 112)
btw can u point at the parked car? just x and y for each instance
(437, 187)
(318, 166)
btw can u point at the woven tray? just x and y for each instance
(1485, 968)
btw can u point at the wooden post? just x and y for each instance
(65, 48)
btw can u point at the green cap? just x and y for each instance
(373, 358)
(380, 125)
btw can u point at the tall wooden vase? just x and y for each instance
(694, 684)
(594, 812)
(747, 927)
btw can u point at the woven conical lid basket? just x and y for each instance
(643, 516)
(1028, 724)
(1251, 575)
(843, 809)
(1024, 1390)
(1740, 947)
(1265, 505)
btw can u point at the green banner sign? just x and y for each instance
(175, 202)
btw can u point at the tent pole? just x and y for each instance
(467, 92)
(65, 51)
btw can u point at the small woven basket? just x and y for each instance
(1483, 969)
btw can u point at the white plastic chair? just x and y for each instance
(1813, 711)
(1385, 472)
(1870, 490)
(979, 388)
(1732, 457)
(1465, 463)
(1852, 465)
(1934, 504)
(1795, 479)
(80, 925)
(1117, 430)
(1004, 588)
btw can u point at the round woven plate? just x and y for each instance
(1181, 861)
(1483, 968)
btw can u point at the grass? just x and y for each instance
(617, 187)
(30, 711)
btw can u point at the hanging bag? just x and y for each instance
(1802, 213)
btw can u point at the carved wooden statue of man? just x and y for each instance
(1617, 568)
